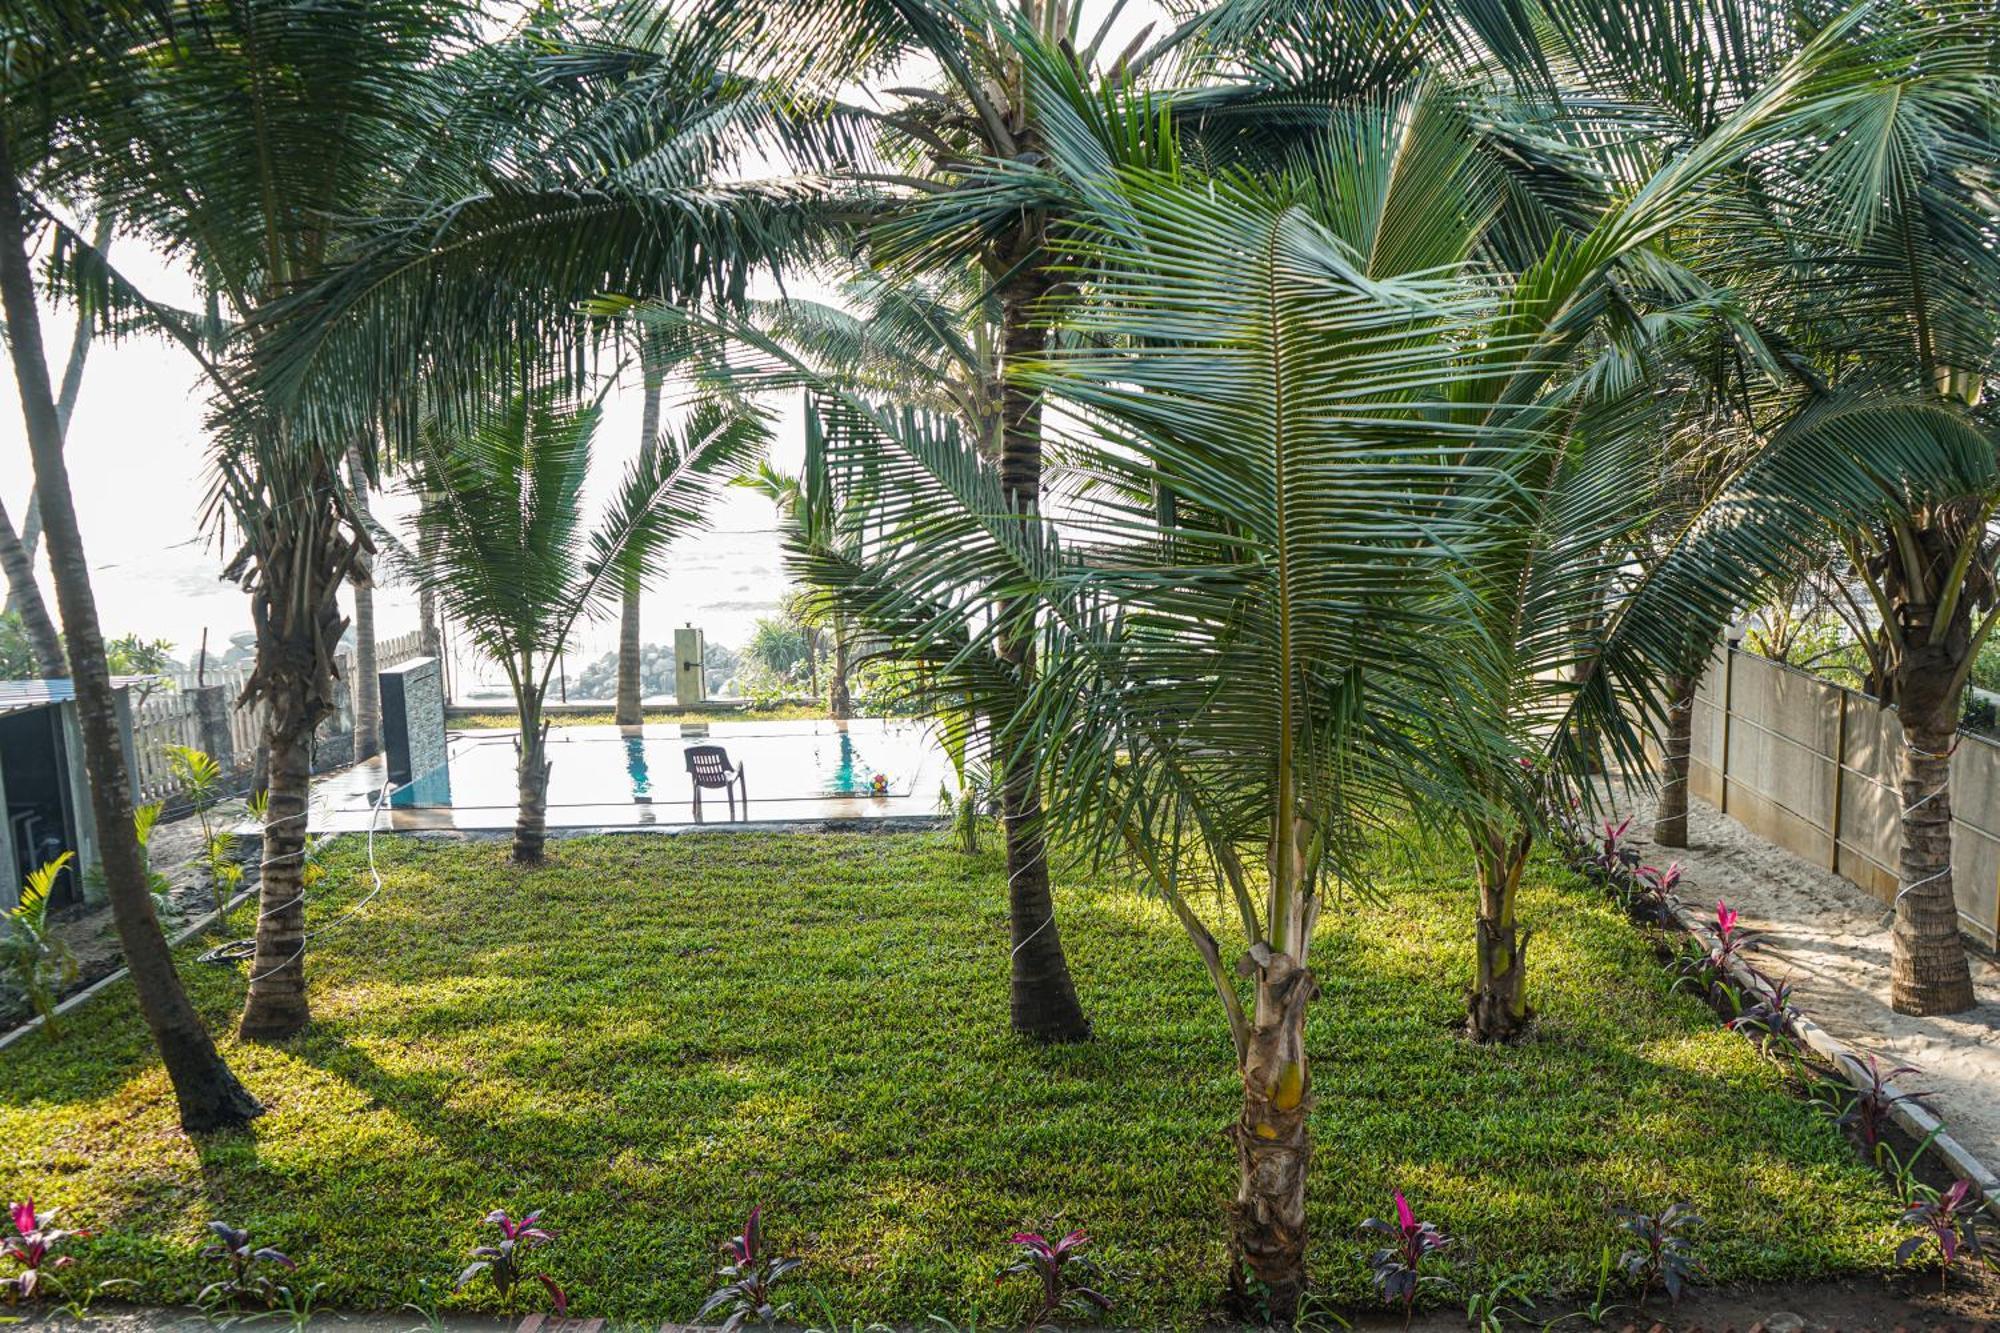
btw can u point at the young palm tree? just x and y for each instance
(512, 557)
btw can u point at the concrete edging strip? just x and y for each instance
(1915, 1121)
(109, 979)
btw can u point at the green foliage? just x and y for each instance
(36, 961)
(127, 655)
(777, 647)
(17, 656)
(204, 783)
(130, 655)
(145, 819)
(607, 1038)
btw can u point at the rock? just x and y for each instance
(1783, 1321)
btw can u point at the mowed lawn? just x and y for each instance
(654, 1033)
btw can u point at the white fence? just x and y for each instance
(1813, 768)
(169, 714)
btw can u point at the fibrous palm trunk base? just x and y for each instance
(531, 817)
(1497, 1009)
(1670, 819)
(1928, 971)
(1267, 1234)
(275, 1006)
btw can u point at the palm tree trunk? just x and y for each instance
(531, 774)
(1498, 1006)
(208, 1094)
(1043, 997)
(276, 1004)
(1267, 1242)
(367, 677)
(24, 596)
(631, 685)
(1928, 972)
(1670, 819)
(838, 701)
(303, 558)
(429, 640)
(20, 592)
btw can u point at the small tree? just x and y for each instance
(512, 558)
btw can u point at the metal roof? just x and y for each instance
(16, 695)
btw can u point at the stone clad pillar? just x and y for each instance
(413, 732)
(211, 715)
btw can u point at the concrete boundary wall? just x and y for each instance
(1812, 767)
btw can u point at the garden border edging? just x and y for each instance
(1919, 1123)
(105, 982)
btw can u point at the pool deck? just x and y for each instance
(346, 801)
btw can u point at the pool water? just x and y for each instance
(781, 762)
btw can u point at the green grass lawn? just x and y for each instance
(653, 1034)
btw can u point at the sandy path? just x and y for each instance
(1831, 939)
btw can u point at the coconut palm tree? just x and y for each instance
(1860, 245)
(17, 549)
(515, 560)
(820, 522)
(50, 83)
(630, 707)
(366, 687)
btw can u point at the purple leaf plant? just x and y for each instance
(501, 1261)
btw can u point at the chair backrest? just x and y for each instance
(709, 765)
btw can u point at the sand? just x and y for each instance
(1830, 938)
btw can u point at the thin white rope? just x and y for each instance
(1920, 802)
(374, 891)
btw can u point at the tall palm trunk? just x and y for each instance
(367, 684)
(838, 700)
(1267, 1241)
(531, 776)
(208, 1094)
(1928, 971)
(430, 641)
(303, 556)
(1670, 819)
(1042, 996)
(276, 1005)
(631, 685)
(1497, 1009)
(25, 597)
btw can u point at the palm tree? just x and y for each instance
(970, 188)
(208, 1094)
(1864, 251)
(517, 563)
(822, 522)
(631, 710)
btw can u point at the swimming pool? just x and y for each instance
(611, 776)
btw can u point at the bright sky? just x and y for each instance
(137, 459)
